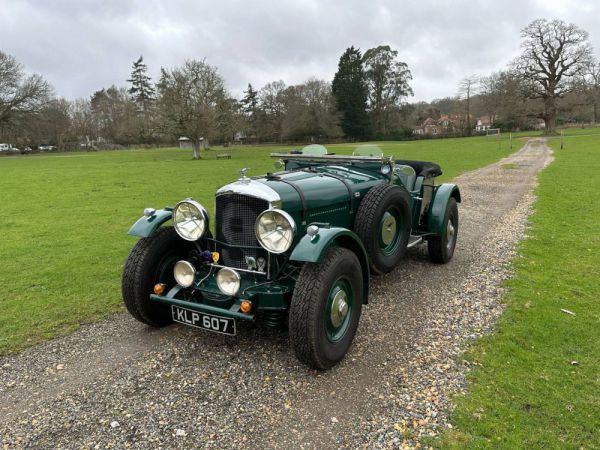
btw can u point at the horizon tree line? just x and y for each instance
(556, 78)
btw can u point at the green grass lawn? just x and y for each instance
(65, 219)
(538, 385)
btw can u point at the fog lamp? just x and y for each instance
(184, 273)
(228, 281)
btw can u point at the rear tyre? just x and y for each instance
(383, 222)
(150, 262)
(326, 308)
(441, 248)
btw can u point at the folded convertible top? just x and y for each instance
(422, 168)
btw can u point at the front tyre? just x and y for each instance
(326, 308)
(441, 248)
(150, 262)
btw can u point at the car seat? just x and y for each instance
(407, 175)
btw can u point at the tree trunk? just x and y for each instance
(550, 116)
(195, 149)
(469, 131)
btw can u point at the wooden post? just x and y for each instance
(562, 139)
(510, 139)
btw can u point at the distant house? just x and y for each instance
(483, 123)
(447, 121)
(431, 126)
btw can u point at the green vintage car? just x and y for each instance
(295, 247)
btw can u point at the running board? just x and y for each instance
(414, 240)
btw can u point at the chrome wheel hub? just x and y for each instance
(339, 308)
(450, 233)
(388, 229)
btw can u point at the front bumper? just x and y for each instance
(233, 312)
(205, 297)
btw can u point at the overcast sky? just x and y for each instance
(82, 45)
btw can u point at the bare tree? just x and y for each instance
(466, 89)
(191, 101)
(491, 93)
(554, 54)
(52, 123)
(501, 97)
(272, 106)
(310, 112)
(82, 121)
(113, 112)
(592, 87)
(19, 94)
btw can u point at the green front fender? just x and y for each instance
(437, 208)
(146, 226)
(313, 249)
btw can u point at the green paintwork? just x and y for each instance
(328, 200)
(271, 296)
(147, 226)
(437, 209)
(313, 249)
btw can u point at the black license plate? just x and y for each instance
(218, 324)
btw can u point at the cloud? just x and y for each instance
(83, 45)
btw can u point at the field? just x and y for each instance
(66, 217)
(537, 384)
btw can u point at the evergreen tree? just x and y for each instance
(350, 92)
(141, 90)
(249, 107)
(143, 95)
(388, 84)
(250, 100)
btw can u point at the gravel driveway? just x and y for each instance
(120, 384)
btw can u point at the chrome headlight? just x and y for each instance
(184, 273)
(275, 230)
(190, 220)
(228, 281)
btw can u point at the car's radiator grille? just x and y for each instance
(235, 217)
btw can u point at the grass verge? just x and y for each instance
(538, 382)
